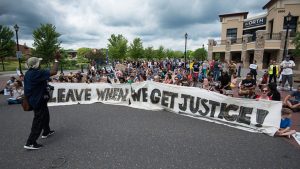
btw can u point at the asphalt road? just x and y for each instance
(109, 136)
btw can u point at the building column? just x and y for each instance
(245, 54)
(258, 56)
(227, 56)
(259, 48)
(228, 50)
(211, 43)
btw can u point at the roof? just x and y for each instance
(271, 2)
(257, 16)
(233, 14)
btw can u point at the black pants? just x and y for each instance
(272, 76)
(40, 122)
(254, 73)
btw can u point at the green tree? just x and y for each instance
(178, 54)
(189, 54)
(95, 54)
(169, 53)
(83, 51)
(136, 49)
(63, 59)
(149, 53)
(81, 60)
(160, 53)
(82, 54)
(200, 54)
(46, 42)
(296, 42)
(117, 47)
(6, 43)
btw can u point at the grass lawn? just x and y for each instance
(12, 65)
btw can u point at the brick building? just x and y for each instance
(261, 37)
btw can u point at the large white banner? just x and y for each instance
(251, 115)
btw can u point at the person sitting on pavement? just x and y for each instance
(9, 85)
(16, 93)
(177, 81)
(233, 82)
(264, 94)
(168, 79)
(225, 82)
(293, 99)
(263, 80)
(285, 124)
(273, 92)
(206, 85)
(248, 86)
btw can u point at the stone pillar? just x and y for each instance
(259, 48)
(228, 49)
(211, 43)
(245, 54)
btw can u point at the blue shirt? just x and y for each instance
(35, 85)
(296, 94)
(285, 123)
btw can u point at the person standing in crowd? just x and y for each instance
(205, 66)
(35, 89)
(287, 71)
(232, 68)
(253, 69)
(216, 70)
(240, 65)
(273, 71)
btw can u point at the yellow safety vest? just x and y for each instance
(271, 69)
(191, 65)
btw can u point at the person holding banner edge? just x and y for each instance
(35, 88)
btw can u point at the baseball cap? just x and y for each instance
(33, 62)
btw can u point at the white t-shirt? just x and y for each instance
(253, 66)
(287, 67)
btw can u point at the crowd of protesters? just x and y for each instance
(213, 75)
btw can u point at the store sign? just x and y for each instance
(255, 22)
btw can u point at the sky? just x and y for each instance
(84, 23)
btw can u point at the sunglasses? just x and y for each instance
(265, 91)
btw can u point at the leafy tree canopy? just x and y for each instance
(117, 47)
(200, 54)
(296, 42)
(45, 42)
(6, 43)
(136, 49)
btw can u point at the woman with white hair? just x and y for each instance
(35, 89)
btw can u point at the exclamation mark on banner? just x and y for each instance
(260, 117)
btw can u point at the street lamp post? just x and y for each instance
(288, 20)
(18, 48)
(186, 35)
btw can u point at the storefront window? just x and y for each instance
(232, 33)
(293, 24)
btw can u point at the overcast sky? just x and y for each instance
(84, 23)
